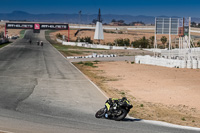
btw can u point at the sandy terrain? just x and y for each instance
(157, 93)
(156, 84)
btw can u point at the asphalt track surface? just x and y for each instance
(42, 92)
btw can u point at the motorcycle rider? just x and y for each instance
(38, 43)
(112, 104)
(116, 109)
(30, 41)
(41, 43)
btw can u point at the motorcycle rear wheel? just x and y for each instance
(100, 113)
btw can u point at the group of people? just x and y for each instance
(38, 42)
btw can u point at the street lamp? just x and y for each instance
(79, 26)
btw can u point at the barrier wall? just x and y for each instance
(83, 44)
(172, 63)
(181, 52)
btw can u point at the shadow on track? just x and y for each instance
(131, 119)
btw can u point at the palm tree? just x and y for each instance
(152, 38)
(163, 40)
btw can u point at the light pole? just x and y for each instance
(79, 26)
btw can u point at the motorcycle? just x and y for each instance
(116, 109)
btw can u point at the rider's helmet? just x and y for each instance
(124, 98)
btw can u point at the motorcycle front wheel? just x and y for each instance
(100, 113)
(122, 115)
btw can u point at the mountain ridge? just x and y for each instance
(74, 18)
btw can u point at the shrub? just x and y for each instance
(88, 64)
(96, 61)
(109, 44)
(85, 39)
(58, 35)
(141, 43)
(183, 119)
(163, 40)
(198, 43)
(80, 62)
(122, 42)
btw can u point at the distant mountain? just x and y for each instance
(74, 18)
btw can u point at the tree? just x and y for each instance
(59, 35)
(121, 21)
(193, 24)
(141, 43)
(163, 40)
(1, 34)
(113, 20)
(94, 21)
(85, 39)
(144, 42)
(120, 42)
(198, 43)
(88, 39)
(152, 39)
(126, 41)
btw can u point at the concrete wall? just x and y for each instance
(172, 63)
(83, 44)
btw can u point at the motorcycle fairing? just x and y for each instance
(107, 106)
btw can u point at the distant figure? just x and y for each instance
(30, 41)
(41, 43)
(38, 43)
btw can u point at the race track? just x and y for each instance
(41, 92)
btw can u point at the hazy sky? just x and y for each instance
(130, 7)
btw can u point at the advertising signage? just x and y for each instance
(19, 26)
(37, 26)
(186, 26)
(180, 22)
(181, 27)
(54, 26)
(167, 25)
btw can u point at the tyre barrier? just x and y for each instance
(92, 56)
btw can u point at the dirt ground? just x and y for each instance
(157, 93)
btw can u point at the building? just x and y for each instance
(117, 24)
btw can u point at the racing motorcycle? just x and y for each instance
(115, 109)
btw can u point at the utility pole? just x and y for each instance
(79, 26)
